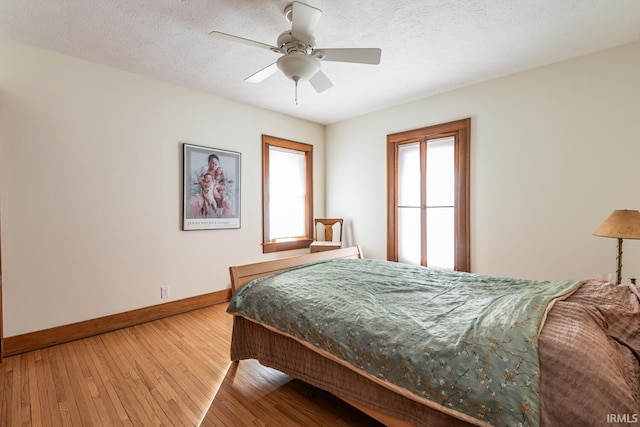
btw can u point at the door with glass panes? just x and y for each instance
(428, 192)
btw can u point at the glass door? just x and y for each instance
(428, 188)
(426, 202)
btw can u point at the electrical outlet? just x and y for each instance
(164, 292)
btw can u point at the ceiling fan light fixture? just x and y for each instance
(298, 67)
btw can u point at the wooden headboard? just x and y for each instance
(243, 274)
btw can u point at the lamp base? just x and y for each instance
(619, 271)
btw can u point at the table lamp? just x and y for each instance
(621, 224)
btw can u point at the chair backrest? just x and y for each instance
(328, 224)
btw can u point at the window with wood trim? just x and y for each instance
(428, 190)
(287, 194)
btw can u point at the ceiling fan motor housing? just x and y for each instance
(288, 44)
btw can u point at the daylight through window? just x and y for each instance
(287, 194)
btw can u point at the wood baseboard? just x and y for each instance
(61, 334)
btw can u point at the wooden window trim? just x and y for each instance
(461, 131)
(269, 245)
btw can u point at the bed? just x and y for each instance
(463, 349)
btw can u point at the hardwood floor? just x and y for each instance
(170, 372)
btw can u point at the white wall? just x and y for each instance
(90, 188)
(90, 194)
(554, 151)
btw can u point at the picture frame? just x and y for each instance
(210, 188)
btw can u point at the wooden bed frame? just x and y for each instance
(243, 274)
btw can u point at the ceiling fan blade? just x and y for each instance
(304, 19)
(262, 74)
(357, 55)
(224, 36)
(320, 82)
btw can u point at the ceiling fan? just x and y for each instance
(300, 58)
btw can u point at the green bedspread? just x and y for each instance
(464, 341)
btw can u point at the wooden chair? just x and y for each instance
(329, 242)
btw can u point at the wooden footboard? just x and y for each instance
(243, 274)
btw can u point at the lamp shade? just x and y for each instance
(621, 224)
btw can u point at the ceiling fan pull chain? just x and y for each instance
(296, 82)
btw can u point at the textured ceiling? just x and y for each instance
(428, 46)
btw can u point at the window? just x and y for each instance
(287, 194)
(428, 192)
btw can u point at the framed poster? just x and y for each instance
(211, 188)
